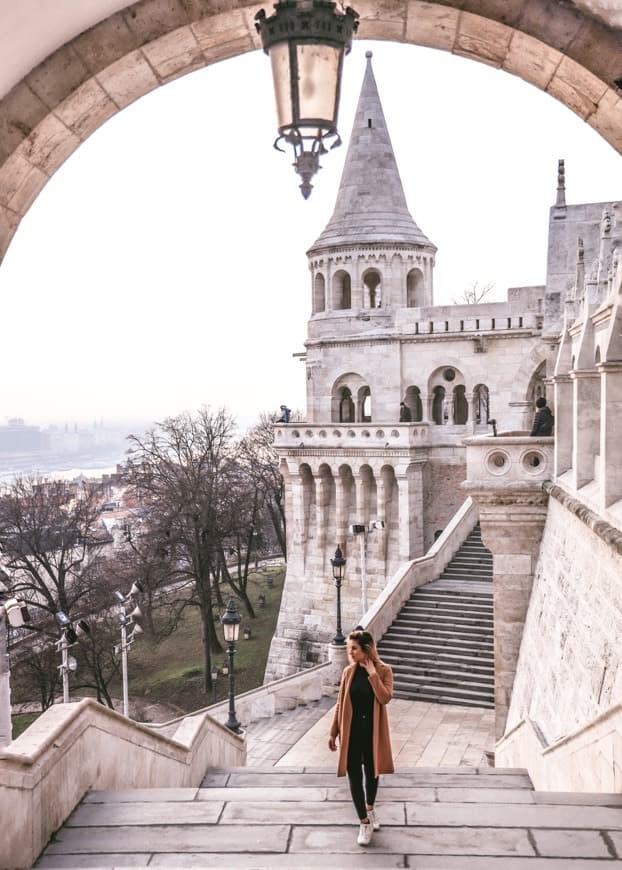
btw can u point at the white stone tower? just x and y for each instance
(394, 385)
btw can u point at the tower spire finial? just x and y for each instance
(561, 184)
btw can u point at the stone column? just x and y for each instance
(320, 509)
(585, 425)
(610, 476)
(341, 510)
(299, 531)
(563, 390)
(512, 521)
(472, 403)
(410, 512)
(426, 409)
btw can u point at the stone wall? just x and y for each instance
(569, 668)
(442, 492)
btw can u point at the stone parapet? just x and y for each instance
(73, 748)
(505, 477)
(348, 436)
(587, 760)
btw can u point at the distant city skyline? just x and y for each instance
(163, 266)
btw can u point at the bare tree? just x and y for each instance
(185, 469)
(262, 465)
(50, 541)
(474, 294)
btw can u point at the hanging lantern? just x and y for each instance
(306, 41)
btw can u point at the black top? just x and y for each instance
(362, 698)
(543, 422)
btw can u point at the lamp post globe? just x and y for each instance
(231, 629)
(338, 564)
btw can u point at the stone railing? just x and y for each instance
(275, 697)
(73, 748)
(347, 435)
(589, 759)
(409, 576)
(509, 460)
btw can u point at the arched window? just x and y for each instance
(412, 400)
(342, 291)
(481, 403)
(439, 406)
(414, 289)
(319, 293)
(364, 405)
(373, 288)
(537, 387)
(461, 406)
(346, 406)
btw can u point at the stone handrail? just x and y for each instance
(588, 759)
(409, 576)
(73, 748)
(275, 697)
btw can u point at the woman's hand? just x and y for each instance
(369, 667)
(332, 744)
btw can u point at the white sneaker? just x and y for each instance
(373, 819)
(365, 832)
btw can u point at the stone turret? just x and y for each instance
(372, 254)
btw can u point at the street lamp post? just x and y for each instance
(339, 564)
(70, 631)
(127, 620)
(231, 630)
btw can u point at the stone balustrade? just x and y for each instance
(73, 748)
(294, 436)
(508, 460)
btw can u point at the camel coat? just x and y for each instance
(382, 686)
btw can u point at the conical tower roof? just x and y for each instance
(371, 205)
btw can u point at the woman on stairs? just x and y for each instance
(362, 726)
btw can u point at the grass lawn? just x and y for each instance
(171, 671)
(21, 721)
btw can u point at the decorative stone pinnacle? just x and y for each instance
(561, 184)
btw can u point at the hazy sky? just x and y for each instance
(163, 267)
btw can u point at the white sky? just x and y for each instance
(163, 267)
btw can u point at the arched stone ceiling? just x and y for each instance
(572, 50)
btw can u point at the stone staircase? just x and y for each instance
(449, 818)
(441, 644)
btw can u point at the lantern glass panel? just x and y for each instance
(231, 631)
(318, 79)
(279, 58)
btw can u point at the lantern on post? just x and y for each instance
(306, 41)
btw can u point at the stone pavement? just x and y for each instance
(432, 819)
(422, 734)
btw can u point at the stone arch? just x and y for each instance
(460, 405)
(415, 289)
(370, 502)
(363, 405)
(372, 288)
(536, 388)
(342, 290)
(481, 403)
(442, 386)
(526, 371)
(346, 398)
(571, 53)
(319, 293)
(412, 400)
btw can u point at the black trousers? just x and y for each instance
(361, 758)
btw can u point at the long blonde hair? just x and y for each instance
(366, 643)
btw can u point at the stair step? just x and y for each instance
(430, 645)
(432, 605)
(443, 676)
(457, 691)
(452, 661)
(442, 631)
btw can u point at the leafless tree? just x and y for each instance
(186, 471)
(474, 294)
(262, 465)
